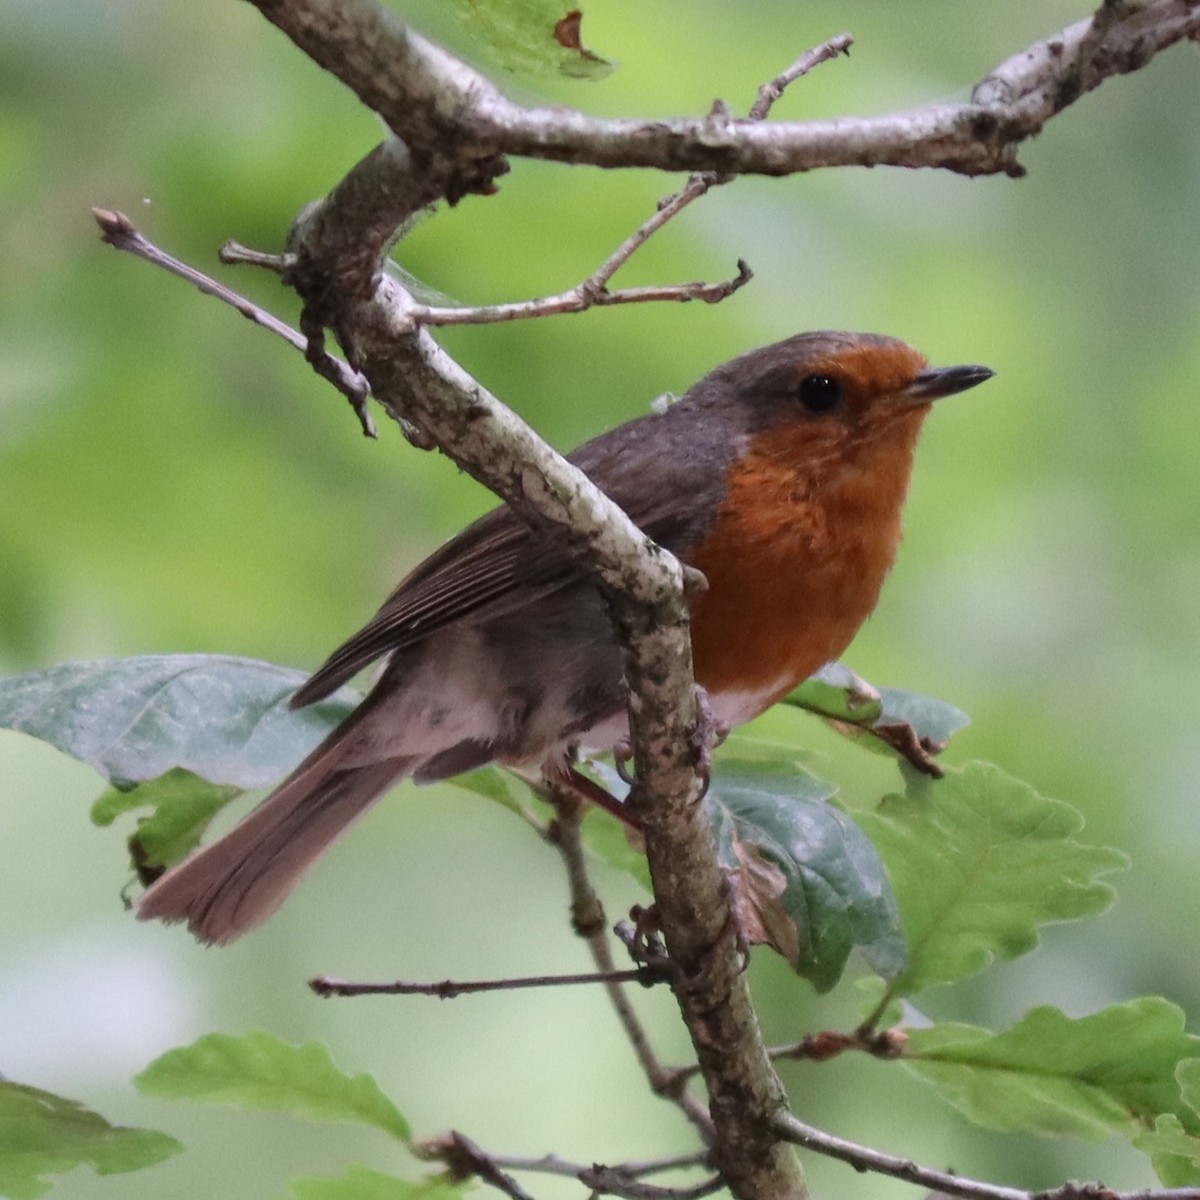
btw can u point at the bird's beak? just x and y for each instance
(936, 382)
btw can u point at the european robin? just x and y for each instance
(780, 475)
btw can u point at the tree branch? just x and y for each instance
(827, 1044)
(465, 1158)
(863, 1158)
(591, 293)
(119, 232)
(551, 1164)
(594, 291)
(451, 989)
(442, 107)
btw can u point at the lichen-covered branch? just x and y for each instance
(440, 106)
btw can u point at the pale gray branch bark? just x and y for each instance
(946, 1183)
(440, 106)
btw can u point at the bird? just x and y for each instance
(780, 476)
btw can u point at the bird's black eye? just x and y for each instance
(820, 393)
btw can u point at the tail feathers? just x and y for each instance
(234, 885)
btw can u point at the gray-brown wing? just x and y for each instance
(498, 565)
(470, 576)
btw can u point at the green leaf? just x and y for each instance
(361, 1183)
(979, 861)
(258, 1070)
(133, 719)
(935, 721)
(183, 805)
(1188, 1076)
(1052, 1075)
(1173, 1150)
(805, 878)
(43, 1134)
(837, 692)
(1174, 1153)
(855, 709)
(533, 37)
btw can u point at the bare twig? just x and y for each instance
(465, 1157)
(587, 914)
(1098, 1191)
(120, 233)
(440, 106)
(449, 989)
(551, 1164)
(611, 1181)
(593, 291)
(820, 1047)
(580, 298)
(235, 254)
(770, 92)
(863, 1158)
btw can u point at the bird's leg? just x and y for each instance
(738, 921)
(706, 736)
(622, 757)
(589, 789)
(642, 936)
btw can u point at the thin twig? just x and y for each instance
(827, 1044)
(610, 1181)
(1098, 1191)
(235, 254)
(863, 1158)
(448, 989)
(465, 1157)
(119, 232)
(588, 917)
(593, 292)
(578, 299)
(770, 92)
(551, 1164)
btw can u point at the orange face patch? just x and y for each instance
(869, 371)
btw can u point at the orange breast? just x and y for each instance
(795, 558)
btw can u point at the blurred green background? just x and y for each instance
(173, 479)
